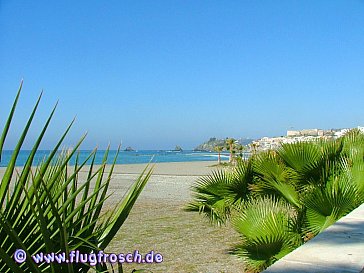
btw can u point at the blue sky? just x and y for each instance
(155, 74)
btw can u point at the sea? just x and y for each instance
(124, 157)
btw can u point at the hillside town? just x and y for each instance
(266, 143)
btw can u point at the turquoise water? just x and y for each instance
(124, 157)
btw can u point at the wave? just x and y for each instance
(213, 155)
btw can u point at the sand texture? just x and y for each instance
(187, 241)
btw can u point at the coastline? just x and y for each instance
(135, 157)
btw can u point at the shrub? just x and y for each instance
(49, 208)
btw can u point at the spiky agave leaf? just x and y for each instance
(50, 209)
(122, 211)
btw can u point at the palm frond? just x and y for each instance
(216, 193)
(212, 196)
(275, 179)
(326, 206)
(264, 225)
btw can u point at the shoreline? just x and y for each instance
(140, 157)
(185, 168)
(188, 168)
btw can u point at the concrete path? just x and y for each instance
(339, 248)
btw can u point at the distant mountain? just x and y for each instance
(210, 144)
(213, 141)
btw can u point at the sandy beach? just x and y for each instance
(187, 241)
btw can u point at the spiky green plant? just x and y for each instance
(50, 208)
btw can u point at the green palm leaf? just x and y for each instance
(276, 179)
(211, 196)
(304, 158)
(216, 193)
(326, 206)
(265, 228)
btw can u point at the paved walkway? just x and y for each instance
(339, 248)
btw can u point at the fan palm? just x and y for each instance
(340, 195)
(313, 183)
(265, 226)
(216, 193)
(274, 178)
